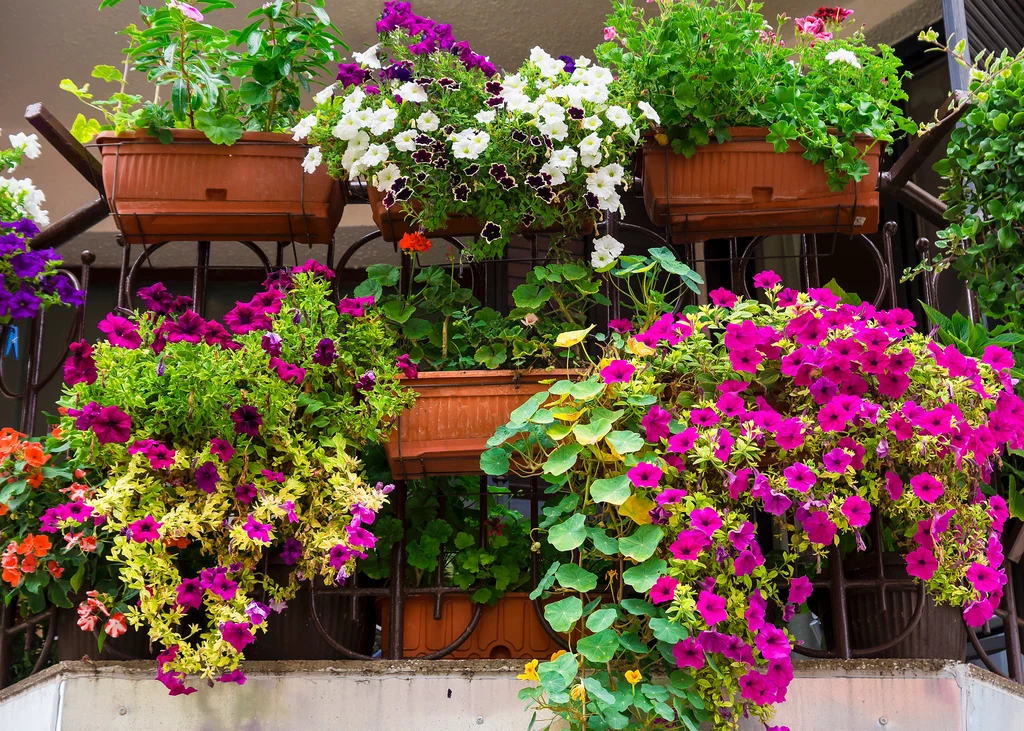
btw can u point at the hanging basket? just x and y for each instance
(194, 190)
(744, 188)
(455, 413)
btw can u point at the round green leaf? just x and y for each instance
(599, 647)
(601, 619)
(613, 490)
(641, 545)
(494, 462)
(644, 576)
(568, 535)
(564, 614)
(625, 442)
(573, 577)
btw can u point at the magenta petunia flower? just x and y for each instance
(683, 441)
(145, 530)
(271, 343)
(80, 366)
(757, 688)
(800, 477)
(984, 578)
(745, 563)
(705, 520)
(722, 297)
(324, 354)
(237, 634)
(688, 654)
(223, 587)
(670, 496)
(664, 590)
(711, 608)
(190, 594)
(837, 460)
(800, 590)
(773, 643)
(921, 563)
(704, 417)
(408, 368)
(360, 537)
(688, 545)
(820, 528)
(247, 420)
(743, 536)
(857, 511)
(767, 279)
(221, 449)
(160, 456)
(926, 487)
(233, 676)
(756, 611)
(790, 434)
(188, 328)
(645, 474)
(245, 493)
(207, 477)
(355, 306)
(257, 531)
(245, 318)
(272, 476)
(1000, 359)
(977, 613)
(120, 332)
(621, 326)
(111, 425)
(655, 423)
(618, 371)
(287, 372)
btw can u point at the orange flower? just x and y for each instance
(415, 241)
(41, 544)
(35, 479)
(88, 543)
(8, 441)
(3, 509)
(55, 569)
(11, 576)
(57, 433)
(177, 542)
(34, 454)
(30, 564)
(62, 410)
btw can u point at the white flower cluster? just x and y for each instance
(843, 55)
(469, 144)
(606, 251)
(21, 194)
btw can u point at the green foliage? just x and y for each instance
(984, 175)
(222, 82)
(706, 66)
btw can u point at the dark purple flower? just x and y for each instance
(85, 416)
(291, 552)
(287, 372)
(80, 366)
(271, 344)
(28, 265)
(157, 299)
(207, 477)
(111, 426)
(245, 493)
(325, 354)
(247, 420)
(245, 318)
(351, 74)
(367, 381)
(569, 63)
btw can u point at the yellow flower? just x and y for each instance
(530, 672)
(557, 655)
(633, 677)
(579, 693)
(635, 347)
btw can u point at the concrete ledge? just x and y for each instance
(893, 695)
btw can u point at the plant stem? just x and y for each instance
(188, 82)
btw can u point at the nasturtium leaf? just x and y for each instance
(593, 432)
(601, 619)
(625, 442)
(576, 578)
(568, 535)
(633, 642)
(563, 615)
(638, 509)
(599, 647)
(558, 432)
(596, 690)
(613, 490)
(668, 631)
(643, 576)
(561, 388)
(542, 416)
(562, 459)
(494, 462)
(546, 582)
(573, 337)
(642, 544)
(602, 541)
(638, 607)
(559, 673)
(586, 390)
(524, 412)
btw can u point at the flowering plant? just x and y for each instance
(702, 67)
(286, 45)
(28, 278)
(51, 543)
(225, 443)
(819, 413)
(439, 132)
(981, 169)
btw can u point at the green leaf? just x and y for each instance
(416, 329)
(601, 619)
(252, 93)
(84, 130)
(386, 274)
(638, 607)
(586, 390)
(563, 615)
(643, 576)
(642, 544)
(546, 582)
(78, 578)
(668, 631)
(367, 288)
(524, 412)
(568, 535)
(576, 578)
(494, 462)
(596, 690)
(398, 311)
(558, 674)
(562, 459)
(612, 490)
(599, 647)
(224, 130)
(602, 541)
(593, 432)
(625, 442)
(107, 73)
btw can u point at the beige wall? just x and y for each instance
(44, 41)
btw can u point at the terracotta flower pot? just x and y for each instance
(393, 224)
(509, 629)
(194, 190)
(455, 413)
(744, 188)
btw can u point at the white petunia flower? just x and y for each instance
(485, 117)
(304, 127)
(538, 55)
(324, 94)
(405, 140)
(843, 55)
(564, 158)
(598, 76)
(480, 140)
(595, 93)
(601, 259)
(29, 143)
(518, 102)
(592, 123)
(410, 91)
(610, 246)
(649, 112)
(557, 130)
(428, 122)
(353, 101)
(617, 116)
(590, 145)
(552, 111)
(375, 155)
(312, 160)
(582, 62)
(514, 82)
(386, 177)
(364, 118)
(557, 175)
(347, 128)
(367, 58)
(383, 120)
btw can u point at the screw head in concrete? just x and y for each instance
(479, 720)
(883, 721)
(122, 711)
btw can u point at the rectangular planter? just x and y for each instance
(194, 190)
(456, 412)
(509, 629)
(744, 188)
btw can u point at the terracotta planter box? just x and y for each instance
(509, 629)
(455, 413)
(744, 188)
(194, 190)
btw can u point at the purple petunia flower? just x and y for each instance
(408, 368)
(277, 477)
(618, 371)
(245, 318)
(221, 449)
(645, 474)
(291, 551)
(325, 354)
(145, 530)
(245, 493)
(237, 634)
(271, 344)
(257, 612)
(247, 420)
(207, 477)
(190, 594)
(121, 332)
(257, 531)
(111, 425)
(366, 382)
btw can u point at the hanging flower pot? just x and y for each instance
(743, 187)
(394, 224)
(509, 629)
(192, 189)
(455, 413)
